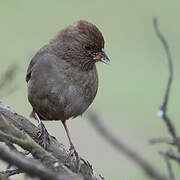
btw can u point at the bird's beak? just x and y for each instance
(101, 56)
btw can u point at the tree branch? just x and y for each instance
(10, 134)
(16, 129)
(163, 108)
(173, 156)
(162, 140)
(31, 167)
(119, 145)
(169, 167)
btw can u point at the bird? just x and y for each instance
(62, 78)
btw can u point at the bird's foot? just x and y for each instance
(43, 135)
(78, 158)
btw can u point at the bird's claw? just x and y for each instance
(43, 135)
(78, 158)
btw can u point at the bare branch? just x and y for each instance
(31, 167)
(163, 109)
(173, 156)
(161, 140)
(10, 134)
(170, 63)
(17, 129)
(169, 167)
(119, 145)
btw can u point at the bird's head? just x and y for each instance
(83, 43)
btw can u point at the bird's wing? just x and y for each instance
(34, 60)
(46, 86)
(29, 70)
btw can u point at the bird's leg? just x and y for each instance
(43, 133)
(72, 148)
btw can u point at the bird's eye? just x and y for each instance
(87, 47)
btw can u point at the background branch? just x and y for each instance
(173, 156)
(163, 108)
(161, 140)
(169, 167)
(123, 148)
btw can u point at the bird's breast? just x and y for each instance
(81, 92)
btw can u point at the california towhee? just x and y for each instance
(62, 77)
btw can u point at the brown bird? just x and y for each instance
(62, 77)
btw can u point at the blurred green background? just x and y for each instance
(131, 87)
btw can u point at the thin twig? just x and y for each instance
(173, 156)
(161, 140)
(163, 108)
(169, 167)
(170, 63)
(123, 148)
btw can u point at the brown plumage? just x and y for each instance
(62, 77)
